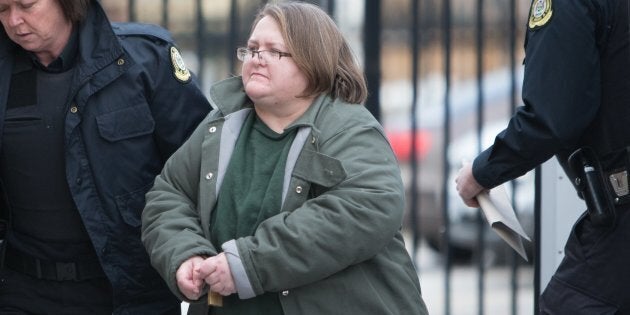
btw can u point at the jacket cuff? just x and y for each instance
(241, 281)
(483, 172)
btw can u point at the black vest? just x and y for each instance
(44, 219)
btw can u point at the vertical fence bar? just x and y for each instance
(481, 227)
(330, 7)
(514, 258)
(372, 51)
(537, 233)
(165, 16)
(233, 34)
(131, 10)
(413, 159)
(200, 40)
(446, 29)
(512, 104)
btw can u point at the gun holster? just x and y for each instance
(589, 182)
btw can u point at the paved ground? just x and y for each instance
(464, 287)
(464, 291)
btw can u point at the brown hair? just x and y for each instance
(75, 10)
(319, 50)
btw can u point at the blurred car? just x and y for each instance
(464, 145)
(464, 222)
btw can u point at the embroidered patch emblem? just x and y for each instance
(540, 14)
(179, 68)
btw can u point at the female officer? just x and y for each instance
(89, 113)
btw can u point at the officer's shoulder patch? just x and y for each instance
(540, 13)
(182, 74)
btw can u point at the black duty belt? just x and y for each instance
(50, 270)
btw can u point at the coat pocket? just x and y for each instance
(130, 205)
(319, 169)
(126, 123)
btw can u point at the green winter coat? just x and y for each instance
(336, 246)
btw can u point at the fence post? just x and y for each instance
(372, 50)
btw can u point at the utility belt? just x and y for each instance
(602, 190)
(21, 262)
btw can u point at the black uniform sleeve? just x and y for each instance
(174, 95)
(178, 106)
(561, 94)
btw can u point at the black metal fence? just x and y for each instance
(439, 73)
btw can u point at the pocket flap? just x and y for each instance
(319, 169)
(126, 123)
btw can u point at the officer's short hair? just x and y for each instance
(75, 10)
(319, 49)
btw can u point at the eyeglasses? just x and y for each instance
(246, 54)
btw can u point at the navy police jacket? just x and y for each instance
(134, 103)
(576, 90)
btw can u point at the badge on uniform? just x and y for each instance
(540, 14)
(179, 68)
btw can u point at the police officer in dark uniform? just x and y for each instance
(89, 112)
(576, 94)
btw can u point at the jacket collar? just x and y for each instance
(228, 96)
(97, 42)
(310, 116)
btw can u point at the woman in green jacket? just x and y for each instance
(287, 199)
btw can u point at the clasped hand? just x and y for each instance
(196, 272)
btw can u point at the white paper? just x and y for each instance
(497, 209)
